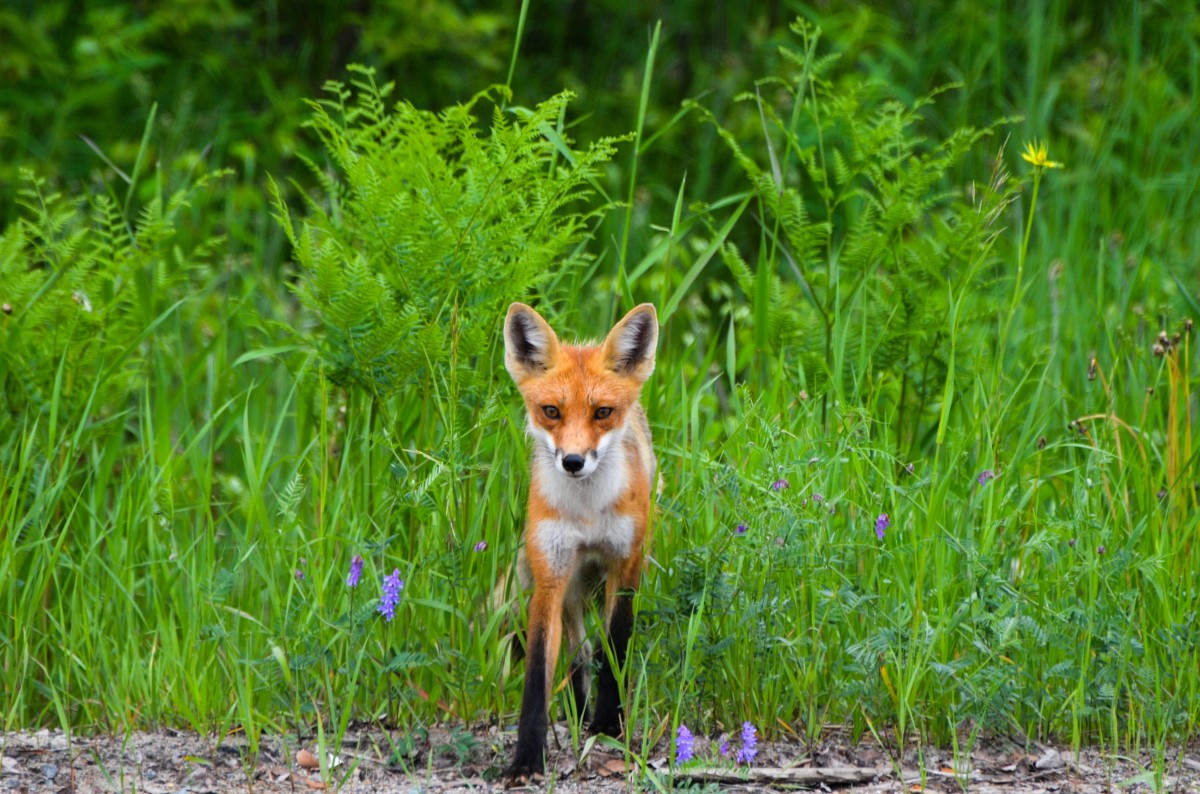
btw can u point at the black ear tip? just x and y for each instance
(647, 327)
(520, 320)
(645, 318)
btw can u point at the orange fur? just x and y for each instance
(590, 497)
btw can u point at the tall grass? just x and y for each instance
(179, 555)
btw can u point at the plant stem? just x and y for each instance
(1037, 183)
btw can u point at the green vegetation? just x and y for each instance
(924, 409)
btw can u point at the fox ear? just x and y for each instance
(629, 347)
(529, 342)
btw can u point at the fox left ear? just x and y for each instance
(530, 344)
(629, 347)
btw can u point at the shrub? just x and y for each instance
(863, 241)
(82, 288)
(429, 228)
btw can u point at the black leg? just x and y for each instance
(531, 730)
(607, 719)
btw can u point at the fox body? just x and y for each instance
(590, 502)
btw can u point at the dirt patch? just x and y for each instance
(451, 759)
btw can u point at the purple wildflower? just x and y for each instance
(881, 525)
(780, 484)
(741, 529)
(1100, 550)
(749, 743)
(299, 574)
(481, 546)
(724, 748)
(392, 586)
(817, 498)
(984, 476)
(910, 468)
(356, 566)
(683, 745)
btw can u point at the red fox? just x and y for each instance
(590, 503)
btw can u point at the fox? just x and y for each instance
(589, 512)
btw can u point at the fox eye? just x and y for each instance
(603, 413)
(551, 411)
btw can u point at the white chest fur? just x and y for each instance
(563, 541)
(587, 525)
(584, 497)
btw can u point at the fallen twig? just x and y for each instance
(834, 775)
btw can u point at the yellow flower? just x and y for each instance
(1035, 153)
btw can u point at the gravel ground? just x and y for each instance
(452, 759)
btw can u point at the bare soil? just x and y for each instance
(451, 759)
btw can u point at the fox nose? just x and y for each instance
(573, 463)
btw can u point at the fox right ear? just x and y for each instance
(529, 342)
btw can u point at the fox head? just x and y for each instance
(579, 397)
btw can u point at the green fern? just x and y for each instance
(429, 229)
(79, 287)
(861, 231)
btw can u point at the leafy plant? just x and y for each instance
(863, 243)
(82, 288)
(430, 229)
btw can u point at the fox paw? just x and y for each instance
(523, 773)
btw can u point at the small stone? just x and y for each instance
(9, 766)
(150, 773)
(49, 771)
(1051, 759)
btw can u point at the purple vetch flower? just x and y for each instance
(817, 498)
(749, 743)
(1099, 549)
(392, 586)
(299, 574)
(780, 484)
(683, 745)
(724, 747)
(481, 546)
(356, 566)
(741, 529)
(881, 525)
(984, 476)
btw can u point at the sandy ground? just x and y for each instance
(451, 759)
